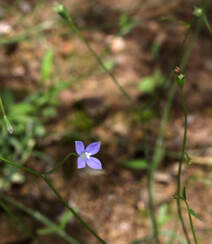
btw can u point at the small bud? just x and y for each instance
(198, 12)
(177, 70)
(181, 80)
(8, 125)
(62, 11)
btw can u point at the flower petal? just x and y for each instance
(93, 148)
(80, 163)
(94, 163)
(80, 148)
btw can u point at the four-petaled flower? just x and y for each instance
(85, 155)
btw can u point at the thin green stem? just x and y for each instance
(2, 107)
(48, 182)
(43, 219)
(18, 166)
(158, 151)
(191, 223)
(180, 170)
(205, 19)
(6, 121)
(159, 148)
(60, 164)
(178, 198)
(62, 11)
(16, 220)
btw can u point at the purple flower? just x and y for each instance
(85, 155)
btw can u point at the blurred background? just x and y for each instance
(54, 93)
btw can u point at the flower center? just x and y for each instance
(85, 155)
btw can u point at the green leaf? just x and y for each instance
(191, 211)
(136, 164)
(67, 215)
(126, 24)
(46, 231)
(8, 125)
(163, 216)
(149, 84)
(109, 65)
(184, 193)
(170, 233)
(46, 66)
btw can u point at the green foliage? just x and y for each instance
(136, 164)
(46, 66)
(28, 118)
(170, 233)
(110, 65)
(192, 212)
(145, 114)
(155, 49)
(149, 84)
(163, 215)
(198, 12)
(65, 218)
(184, 194)
(126, 24)
(181, 80)
(80, 121)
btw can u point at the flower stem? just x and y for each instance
(205, 19)
(60, 164)
(48, 182)
(43, 219)
(191, 223)
(178, 198)
(63, 12)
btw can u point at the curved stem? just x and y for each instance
(60, 164)
(63, 12)
(205, 19)
(191, 223)
(48, 182)
(179, 172)
(2, 107)
(43, 219)
(180, 167)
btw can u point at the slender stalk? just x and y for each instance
(43, 219)
(2, 107)
(6, 121)
(18, 166)
(18, 221)
(63, 12)
(59, 164)
(191, 223)
(158, 152)
(180, 171)
(205, 19)
(180, 166)
(159, 148)
(48, 182)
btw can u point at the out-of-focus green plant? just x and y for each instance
(135, 164)
(49, 226)
(80, 121)
(163, 216)
(150, 83)
(46, 67)
(28, 118)
(126, 24)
